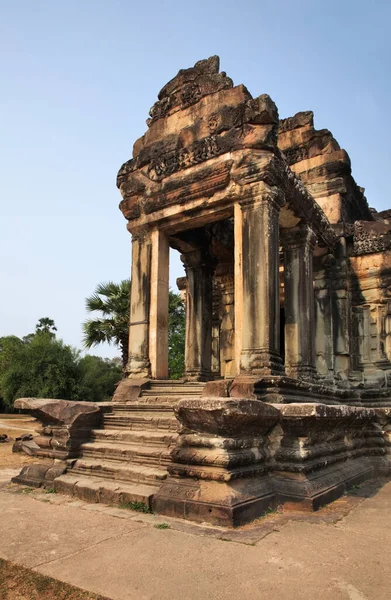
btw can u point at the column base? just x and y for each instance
(305, 372)
(198, 376)
(260, 362)
(138, 367)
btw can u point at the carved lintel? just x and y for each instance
(176, 160)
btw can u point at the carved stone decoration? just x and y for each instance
(188, 87)
(174, 161)
(371, 237)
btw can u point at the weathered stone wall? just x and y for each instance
(323, 167)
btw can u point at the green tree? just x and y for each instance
(176, 336)
(98, 378)
(10, 347)
(45, 367)
(111, 300)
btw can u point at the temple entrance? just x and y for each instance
(207, 254)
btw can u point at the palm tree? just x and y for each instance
(46, 326)
(112, 301)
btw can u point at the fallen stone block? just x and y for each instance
(28, 446)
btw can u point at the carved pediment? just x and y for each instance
(189, 86)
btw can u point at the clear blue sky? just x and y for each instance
(77, 81)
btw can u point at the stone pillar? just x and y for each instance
(323, 318)
(158, 314)
(299, 244)
(340, 312)
(227, 319)
(260, 330)
(138, 363)
(199, 266)
(238, 285)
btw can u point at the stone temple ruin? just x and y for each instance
(288, 319)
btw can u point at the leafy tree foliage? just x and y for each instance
(98, 378)
(45, 368)
(176, 336)
(10, 345)
(42, 366)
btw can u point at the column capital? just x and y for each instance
(298, 237)
(271, 198)
(199, 259)
(141, 233)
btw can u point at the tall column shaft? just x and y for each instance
(138, 363)
(158, 314)
(340, 303)
(198, 352)
(238, 284)
(260, 344)
(323, 318)
(298, 246)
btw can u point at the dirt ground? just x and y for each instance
(18, 583)
(14, 426)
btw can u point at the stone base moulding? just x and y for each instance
(215, 502)
(220, 466)
(237, 457)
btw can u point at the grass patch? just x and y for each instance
(270, 510)
(162, 526)
(137, 506)
(50, 491)
(353, 489)
(18, 583)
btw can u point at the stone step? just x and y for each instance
(131, 454)
(117, 471)
(118, 436)
(177, 393)
(176, 383)
(143, 406)
(141, 422)
(149, 403)
(92, 489)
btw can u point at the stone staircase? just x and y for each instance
(125, 461)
